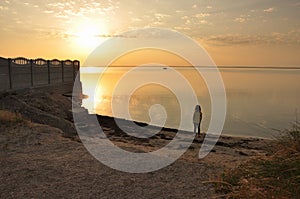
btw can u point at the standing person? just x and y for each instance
(197, 117)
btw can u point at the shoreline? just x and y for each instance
(170, 129)
(111, 120)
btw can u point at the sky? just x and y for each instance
(233, 32)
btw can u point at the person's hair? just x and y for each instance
(197, 108)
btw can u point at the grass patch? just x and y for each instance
(273, 176)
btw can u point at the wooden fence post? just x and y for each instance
(62, 71)
(74, 70)
(31, 71)
(9, 73)
(78, 71)
(48, 65)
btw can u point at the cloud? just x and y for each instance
(233, 39)
(3, 8)
(151, 33)
(272, 9)
(193, 21)
(136, 19)
(289, 38)
(188, 22)
(160, 15)
(71, 8)
(116, 36)
(50, 33)
(181, 28)
(48, 11)
(57, 5)
(101, 36)
(202, 15)
(184, 17)
(240, 19)
(203, 22)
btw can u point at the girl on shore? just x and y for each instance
(197, 117)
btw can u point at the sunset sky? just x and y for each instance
(234, 32)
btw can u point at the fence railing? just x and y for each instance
(20, 72)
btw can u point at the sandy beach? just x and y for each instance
(42, 156)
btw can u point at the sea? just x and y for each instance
(259, 102)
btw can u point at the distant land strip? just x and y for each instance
(220, 67)
(261, 67)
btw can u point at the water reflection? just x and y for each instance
(258, 100)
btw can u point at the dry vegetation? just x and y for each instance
(274, 176)
(8, 118)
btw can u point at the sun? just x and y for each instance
(90, 35)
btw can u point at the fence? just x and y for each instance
(23, 73)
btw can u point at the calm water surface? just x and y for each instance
(258, 100)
